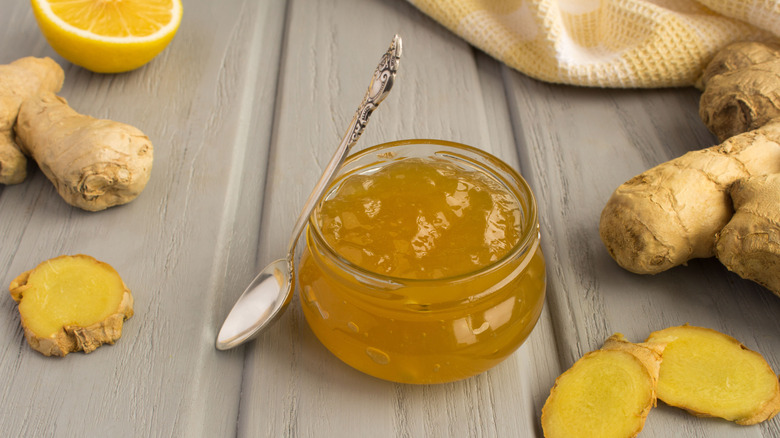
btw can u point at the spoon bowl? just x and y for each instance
(262, 303)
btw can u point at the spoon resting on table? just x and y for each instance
(268, 295)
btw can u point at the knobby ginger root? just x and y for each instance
(738, 56)
(741, 88)
(71, 303)
(94, 164)
(749, 244)
(607, 393)
(21, 80)
(670, 214)
(711, 374)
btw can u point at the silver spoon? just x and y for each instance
(268, 295)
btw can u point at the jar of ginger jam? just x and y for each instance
(422, 262)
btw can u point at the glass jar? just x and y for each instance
(425, 330)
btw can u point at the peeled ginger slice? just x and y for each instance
(607, 393)
(711, 374)
(71, 303)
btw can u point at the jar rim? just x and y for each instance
(521, 190)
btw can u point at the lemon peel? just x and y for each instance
(108, 36)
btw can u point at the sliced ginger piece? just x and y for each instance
(607, 393)
(710, 374)
(71, 303)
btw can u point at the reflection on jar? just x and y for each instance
(422, 264)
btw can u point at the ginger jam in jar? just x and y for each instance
(422, 262)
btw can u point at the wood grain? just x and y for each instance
(183, 247)
(244, 109)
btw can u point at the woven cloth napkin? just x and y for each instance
(607, 43)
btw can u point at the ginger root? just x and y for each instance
(606, 393)
(93, 163)
(749, 244)
(741, 88)
(711, 374)
(20, 80)
(738, 56)
(674, 212)
(71, 303)
(670, 214)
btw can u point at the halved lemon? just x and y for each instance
(108, 36)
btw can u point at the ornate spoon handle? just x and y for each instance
(268, 295)
(378, 89)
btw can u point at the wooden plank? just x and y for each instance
(186, 246)
(293, 385)
(577, 146)
(236, 158)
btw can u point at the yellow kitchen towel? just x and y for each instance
(607, 43)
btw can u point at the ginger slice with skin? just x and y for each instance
(710, 374)
(71, 303)
(607, 393)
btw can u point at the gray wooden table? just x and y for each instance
(244, 109)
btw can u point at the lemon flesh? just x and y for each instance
(108, 36)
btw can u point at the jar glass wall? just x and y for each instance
(417, 329)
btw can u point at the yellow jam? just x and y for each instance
(422, 267)
(421, 219)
